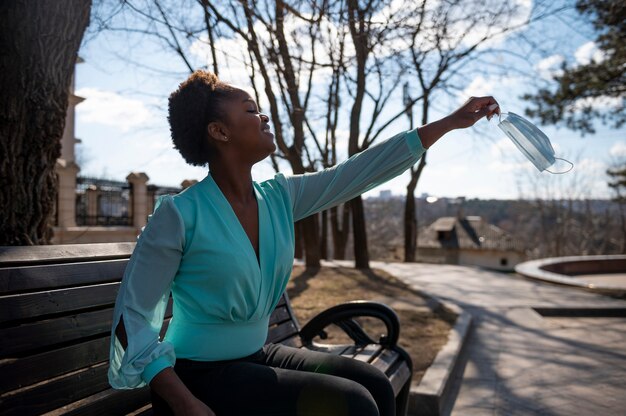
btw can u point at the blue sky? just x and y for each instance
(123, 127)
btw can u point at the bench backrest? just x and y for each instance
(56, 306)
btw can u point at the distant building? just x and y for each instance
(385, 194)
(469, 241)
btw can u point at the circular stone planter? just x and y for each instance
(601, 274)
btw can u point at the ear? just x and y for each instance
(218, 131)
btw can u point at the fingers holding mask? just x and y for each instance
(483, 107)
(474, 109)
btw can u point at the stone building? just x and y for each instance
(469, 240)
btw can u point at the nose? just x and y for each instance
(264, 118)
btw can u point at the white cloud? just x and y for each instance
(590, 167)
(509, 165)
(112, 109)
(597, 103)
(618, 149)
(516, 13)
(589, 52)
(550, 67)
(232, 57)
(481, 86)
(502, 148)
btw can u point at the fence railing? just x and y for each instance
(103, 202)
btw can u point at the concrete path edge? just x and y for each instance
(431, 396)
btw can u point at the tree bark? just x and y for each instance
(356, 19)
(324, 235)
(340, 231)
(298, 249)
(410, 220)
(361, 254)
(39, 43)
(410, 214)
(309, 227)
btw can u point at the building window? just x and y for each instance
(504, 261)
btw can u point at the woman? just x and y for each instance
(224, 248)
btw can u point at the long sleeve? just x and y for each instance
(314, 192)
(143, 297)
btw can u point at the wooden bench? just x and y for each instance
(56, 306)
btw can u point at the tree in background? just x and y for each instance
(580, 88)
(444, 43)
(313, 63)
(39, 43)
(617, 183)
(563, 219)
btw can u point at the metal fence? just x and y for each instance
(104, 202)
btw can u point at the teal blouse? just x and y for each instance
(195, 247)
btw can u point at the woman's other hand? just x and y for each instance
(194, 407)
(181, 401)
(473, 110)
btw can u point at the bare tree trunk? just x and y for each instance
(410, 214)
(340, 231)
(324, 235)
(410, 222)
(361, 255)
(39, 43)
(622, 211)
(298, 250)
(309, 227)
(357, 23)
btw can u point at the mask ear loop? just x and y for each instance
(571, 166)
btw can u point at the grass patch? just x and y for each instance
(422, 331)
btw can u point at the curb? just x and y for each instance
(432, 395)
(539, 270)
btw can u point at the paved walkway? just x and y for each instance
(520, 363)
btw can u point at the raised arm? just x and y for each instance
(314, 192)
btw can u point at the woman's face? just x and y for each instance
(248, 129)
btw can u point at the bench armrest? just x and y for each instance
(342, 315)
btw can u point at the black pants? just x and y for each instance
(284, 381)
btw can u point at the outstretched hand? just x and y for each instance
(473, 110)
(469, 113)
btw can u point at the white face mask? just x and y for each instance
(531, 141)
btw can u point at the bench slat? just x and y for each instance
(368, 353)
(399, 377)
(65, 253)
(345, 350)
(54, 331)
(28, 278)
(43, 334)
(56, 393)
(29, 305)
(278, 333)
(107, 403)
(144, 411)
(385, 360)
(280, 314)
(30, 370)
